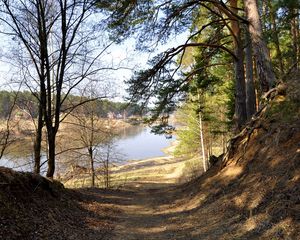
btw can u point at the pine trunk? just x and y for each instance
(264, 67)
(240, 98)
(250, 89)
(298, 35)
(239, 72)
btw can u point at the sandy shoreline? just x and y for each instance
(135, 172)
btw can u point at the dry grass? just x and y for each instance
(167, 169)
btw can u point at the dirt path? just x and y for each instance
(141, 218)
(143, 213)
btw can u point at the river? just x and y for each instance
(140, 143)
(134, 143)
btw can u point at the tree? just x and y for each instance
(5, 133)
(90, 143)
(55, 56)
(204, 128)
(240, 88)
(90, 134)
(191, 134)
(264, 68)
(275, 36)
(158, 21)
(249, 78)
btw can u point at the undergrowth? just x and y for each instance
(284, 112)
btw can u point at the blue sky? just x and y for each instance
(118, 55)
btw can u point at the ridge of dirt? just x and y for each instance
(32, 207)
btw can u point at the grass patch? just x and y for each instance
(192, 169)
(284, 111)
(165, 169)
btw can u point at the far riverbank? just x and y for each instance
(168, 169)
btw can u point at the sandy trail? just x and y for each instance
(143, 213)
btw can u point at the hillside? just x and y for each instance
(253, 193)
(32, 207)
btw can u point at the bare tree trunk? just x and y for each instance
(51, 151)
(204, 161)
(264, 67)
(210, 145)
(250, 89)
(38, 142)
(223, 143)
(91, 155)
(91, 145)
(107, 168)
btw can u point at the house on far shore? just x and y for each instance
(112, 115)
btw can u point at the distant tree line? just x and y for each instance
(26, 101)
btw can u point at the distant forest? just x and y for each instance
(27, 101)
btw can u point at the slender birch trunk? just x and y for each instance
(204, 162)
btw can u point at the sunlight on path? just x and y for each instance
(141, 218)
(145, 204)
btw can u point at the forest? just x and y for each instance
(27, 102)
(227, 92)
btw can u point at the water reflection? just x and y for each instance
(23, 164)
(133, 143)
(139, 143)
(19, 164)
(130, 132)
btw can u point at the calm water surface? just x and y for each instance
(134, 143)
(139, 143)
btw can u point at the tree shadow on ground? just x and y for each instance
(254, 197)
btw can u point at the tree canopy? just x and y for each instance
(222, 29)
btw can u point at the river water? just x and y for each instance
(134, 143)
(139, 143)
